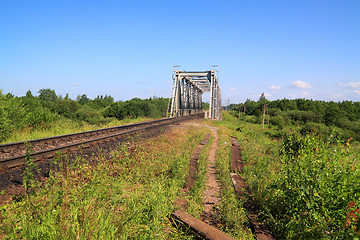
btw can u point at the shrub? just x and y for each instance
(89, 115)
(278, 121)
(11, 115)
(316, 128)
(312, 193)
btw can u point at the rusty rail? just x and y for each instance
(108, 134)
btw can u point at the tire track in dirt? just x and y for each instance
(206, 228)
(193, 168)
(259, 229)
(212, 195)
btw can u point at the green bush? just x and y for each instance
(18, 113)
(90, 115)
(136, 107)
(278, 121)
(301, 117)
(312, 193)
(251, 119)
(317, 129)
(10, 112)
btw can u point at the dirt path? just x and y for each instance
(206, 228)
(212, 195)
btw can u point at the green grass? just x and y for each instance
(128, 193)
(304, 186)
(231, 214)
(306, 189)
(64, 126)
(195, 205)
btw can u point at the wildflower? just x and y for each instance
(351, 205)
(327, 232)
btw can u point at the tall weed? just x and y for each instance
(307, 187)
(127, 193)
(316, 184)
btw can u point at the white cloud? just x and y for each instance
(273, 87)
(301, 84)
(357, 92)
(232, 89)
(350, 85)
(74, 84)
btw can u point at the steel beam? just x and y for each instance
(188, 90)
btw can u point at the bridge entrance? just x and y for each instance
(188, 88)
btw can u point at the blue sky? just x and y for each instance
(126, 49)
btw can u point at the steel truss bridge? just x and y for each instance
(188, 88)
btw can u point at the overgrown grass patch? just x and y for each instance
(232, 216)
(195, 206)
(307, 188)
(63, 126)
(127, 193)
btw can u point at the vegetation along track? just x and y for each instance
(13, 154)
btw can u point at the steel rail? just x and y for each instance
(18, 160)
(8, 147)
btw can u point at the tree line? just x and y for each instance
(40, 111)
(312, 116)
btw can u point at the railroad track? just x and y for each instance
(14, 154)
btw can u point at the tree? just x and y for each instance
(83, 99)
(332, 114)
(101, 102)
(262, 98)
(47, 95)
(29, 94)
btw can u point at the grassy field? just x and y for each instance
(64, 126)
(307, 187)
(232, 215)
(128, 193)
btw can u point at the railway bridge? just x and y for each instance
(188, 88)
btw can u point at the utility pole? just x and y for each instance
(266, 110)
(242, 109)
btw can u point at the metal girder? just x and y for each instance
(194, 74)
(188, 90)
(195, 84)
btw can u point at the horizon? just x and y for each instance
(154, 97)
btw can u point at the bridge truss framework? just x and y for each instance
(187, 93)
